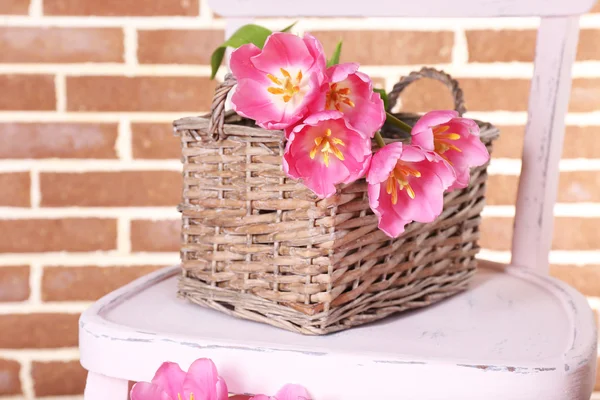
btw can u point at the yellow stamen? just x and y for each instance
(399, 180)
(326, 145)
(179, 396)
(410, 191)
(449, 136)
(274, 79)
(285, 86)
(275, 90)
(192, 396)
(442, 140)
(337, 97)
(285, 73)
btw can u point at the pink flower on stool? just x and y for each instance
(201, 382)
(407, 183)
(455, 139)
(288, 392)
(276, 84)
(351, 92)
(324, 150)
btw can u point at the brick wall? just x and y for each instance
(89, 169)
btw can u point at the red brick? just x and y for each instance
(10, 384)
(58, 140)
(570, 233)
(519, 45)
(66, 234)
(15, 189)
(492, 94)
(178, 46)
(87, 283)
(14, 285)
(60, 45)
(579, 186)
(111, 189)
(496, 233)
(501, 45)
(155, 236)
(58, 378)
(27, 92)
(579, 142)
(148, 8)
(583, 278)
(38, 331)
(481, 94)
(155, 141)
(425, 95)
(14, 7)
(501, 189)
(148, 93)
(390, 47)
(585, 95)
(510, 142)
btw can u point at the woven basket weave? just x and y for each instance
(260, 246)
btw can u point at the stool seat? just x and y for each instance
(514, 334)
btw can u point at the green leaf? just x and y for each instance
(250, 33)
(289, 27)
(335, 58)
(384, 97)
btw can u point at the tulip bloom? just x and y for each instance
(278, 83)
(407, 183)
(288, 392)
(324, 150)
(201, 382)
(351, 93)
(455, 139)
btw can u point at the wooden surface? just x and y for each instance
(513, 335)
(548, 102)
(395, 8)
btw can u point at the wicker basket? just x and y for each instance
(260, 246)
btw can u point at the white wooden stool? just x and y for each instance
(515, 334)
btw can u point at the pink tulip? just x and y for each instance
(324, 150)
(407, 183)
(288, 392)
(278, 83)
(455, 139)
(351, 92)
(201, 382)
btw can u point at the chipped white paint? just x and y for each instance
(514, 334)
(548, 102)
(386, 8)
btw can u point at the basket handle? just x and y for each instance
(452, 84)
(217, 109)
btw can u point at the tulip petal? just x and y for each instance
(283, 50)
(389, 221)
(422, 134)
(201, 380)
(149, 391)
(222, 392)
(251, 100)
(293, 392)
(383, 162)
(170, 377)
(316, 50)
(434, 118)
(241, 64)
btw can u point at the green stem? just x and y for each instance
(395, 121)
(379, 140)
